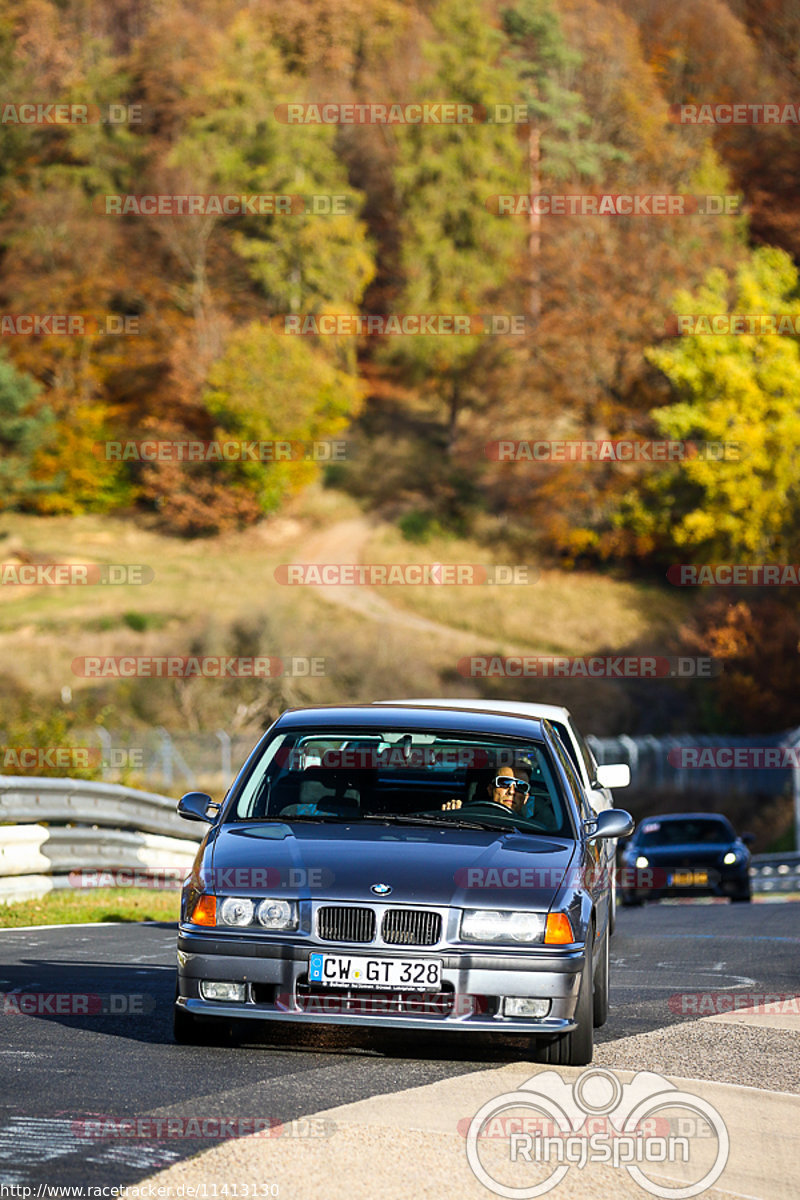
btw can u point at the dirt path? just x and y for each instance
(346, 542)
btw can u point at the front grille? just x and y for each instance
(364, 1002)
(410, 927)
(345, 924)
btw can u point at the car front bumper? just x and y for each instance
(722, 882)
(275, 974)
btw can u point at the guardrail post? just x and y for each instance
(167, 772)
(104, 737)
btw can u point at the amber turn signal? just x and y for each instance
(205, 911)
(558, 931)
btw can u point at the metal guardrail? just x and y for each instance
(652, 763)
(25, 800)
(775, 872)
(59, 827)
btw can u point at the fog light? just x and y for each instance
(213, 990)
(523, 1006)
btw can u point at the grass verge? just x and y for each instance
(104, 904)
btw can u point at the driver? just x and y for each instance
(512, 794)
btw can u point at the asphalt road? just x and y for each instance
(60, 1072)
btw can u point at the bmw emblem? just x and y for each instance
(380, 889)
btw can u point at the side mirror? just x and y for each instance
(747, 838)
(194, 807)
(613, 775)
(613, 823)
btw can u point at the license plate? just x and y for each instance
(406, 974)
(688, 878)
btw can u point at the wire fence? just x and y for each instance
(668, 762)
(172, 759)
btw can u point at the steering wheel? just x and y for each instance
(480, 804)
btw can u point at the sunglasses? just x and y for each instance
(507, 781)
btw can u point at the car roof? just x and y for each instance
(374, 716)
(551, 712)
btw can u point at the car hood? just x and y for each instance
(420, 865)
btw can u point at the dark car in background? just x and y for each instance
(685, 854)
(338, 882)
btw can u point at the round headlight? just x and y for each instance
(236, 910)
(276, 914)
(525, 927)
(641, 861)
(479, 925)
(730, 858)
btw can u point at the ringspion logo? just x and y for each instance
(559, 1124)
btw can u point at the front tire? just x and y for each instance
(574, 1049)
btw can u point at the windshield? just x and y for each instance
(401, 777)
(674, 833)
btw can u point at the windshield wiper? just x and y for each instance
(442, 822)
(328, 818)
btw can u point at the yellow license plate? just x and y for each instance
(689, 878)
